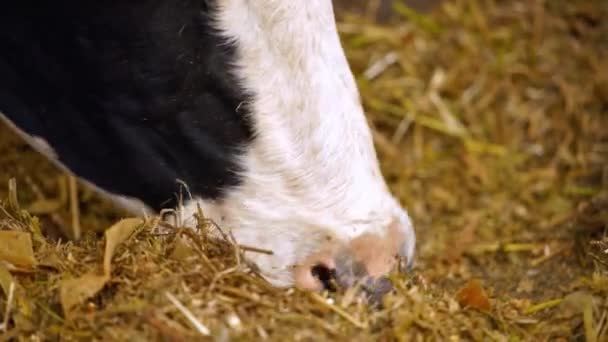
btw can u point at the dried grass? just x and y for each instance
(491, 121)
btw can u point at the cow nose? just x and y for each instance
(365, 261)
(326, 276)
(349, 272)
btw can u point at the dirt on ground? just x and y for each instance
(491, 122)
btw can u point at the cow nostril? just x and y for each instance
(326, 275)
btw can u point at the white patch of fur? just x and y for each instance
(312, 172)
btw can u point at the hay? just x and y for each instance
(491, 122)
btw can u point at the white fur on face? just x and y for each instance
(312, 174)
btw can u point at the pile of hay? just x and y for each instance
(491, 122)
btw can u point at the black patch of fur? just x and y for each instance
(132, 95)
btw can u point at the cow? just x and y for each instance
(251, 104)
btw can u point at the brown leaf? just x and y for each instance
(464, 239)
(16, 248)
(182, 250)
(5, 279)
(73, 292)
(473, 296)
(23, 303)
(116, 235)
(45, 206)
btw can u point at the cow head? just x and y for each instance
(311, 190)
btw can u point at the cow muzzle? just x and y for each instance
(364, 261)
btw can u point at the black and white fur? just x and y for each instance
(251, 103)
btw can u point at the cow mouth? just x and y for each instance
(374, 289)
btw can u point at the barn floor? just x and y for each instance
(491, 122)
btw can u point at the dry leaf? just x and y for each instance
(116, 235)
(23, 303)
(464, 240)
(16, 248)
(75, 291)
(473, 295)
(576, 302)
(51, 260)
(45, 206)
(182, 249)
(582, 302)
(5, 279)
